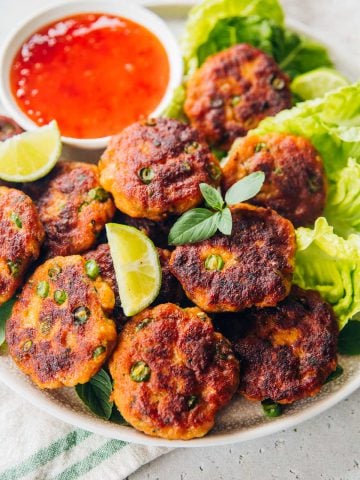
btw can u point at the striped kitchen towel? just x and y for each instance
(35, 446)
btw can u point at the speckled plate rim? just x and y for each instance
(21, 385)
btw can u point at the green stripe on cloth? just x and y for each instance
(91, 461)
(43, 456)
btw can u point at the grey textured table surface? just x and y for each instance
(327, 447)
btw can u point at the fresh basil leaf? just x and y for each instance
(5, 312)
(335, 374)
(349, 339)
(245, 188)
(212, 196)
(194, 226)
(116, 417)
(225, 222)
(96, 394)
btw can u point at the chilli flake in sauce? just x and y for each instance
(93, 73)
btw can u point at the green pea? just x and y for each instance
(92, 269)
(278, 171)
(27, 345)
(259, 147)
(278, 83)
(214, 262)
(146, 175)
(16, 219)
(81, 314)
(214, 171)
(83, 204)
(54, 271)
(14, 267)
(191, 148)
(235, 100)
(271, 408)
(98, 194)
(99, 351)
(156, 143)
(42, 289)
(140, 372)
(142, 324)
(192, 401)
(60, 296)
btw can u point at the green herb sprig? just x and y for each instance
(96, 396)
(202, 223)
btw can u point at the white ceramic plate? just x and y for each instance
(241, 420)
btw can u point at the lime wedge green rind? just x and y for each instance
(137, 267)
(318, 82)
(30, 155)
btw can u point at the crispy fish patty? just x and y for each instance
(251, 267)
(295, 184)
(59, 332)
(288, 351)
(21, 234)
(154, 168)
(233, 91)
(170, 291)
(172, 372)
(74, 208)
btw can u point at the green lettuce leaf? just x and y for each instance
(175, 107)
(331, 265)
(343, 203)
(294, 53)
(204, 16)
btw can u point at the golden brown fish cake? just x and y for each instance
(251, 267)
(74, 208)
(172, 372)
(60, 333)
(295, 183)
(233, 91)
(170, 291)
(21, 234)
(288, 351)
(153, 168)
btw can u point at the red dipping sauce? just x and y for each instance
(93, 73)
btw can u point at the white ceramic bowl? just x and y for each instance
(123, 8)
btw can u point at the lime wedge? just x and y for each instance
(316, 83)
(30, 155)
(137, 267)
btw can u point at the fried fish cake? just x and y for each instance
(21, 234)
(170, 291)
(251, 267)
(153, 168)
(172, 372)
(74, 208)
(60, 333)
(295, 183)
(233, 91)
(288, 351)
